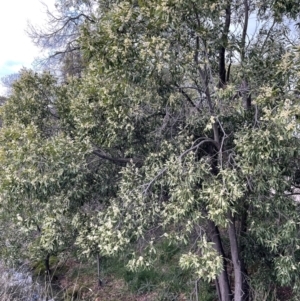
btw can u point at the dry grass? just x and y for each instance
(18, 285)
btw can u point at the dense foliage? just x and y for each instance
(183, 127)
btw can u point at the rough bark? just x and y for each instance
(245, 93)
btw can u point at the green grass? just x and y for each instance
(165, 281)
(166, 278)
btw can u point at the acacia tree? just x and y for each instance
(221, 138)
(182, 128)
(49, 176)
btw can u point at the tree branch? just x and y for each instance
(245, 28)
(224, 41)
(118, 161)
(187, 96)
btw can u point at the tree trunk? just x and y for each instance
(47, 264)
(222, 281)
(238, 277)
(222, 50)
(244, 87)
(98, 270)
(242, 248)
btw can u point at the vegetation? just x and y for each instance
(175, 146)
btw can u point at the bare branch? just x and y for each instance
(224, 41)
(61, 37)
(245, 28)
(187, 96)
(118, 161)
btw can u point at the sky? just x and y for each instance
(16, 49)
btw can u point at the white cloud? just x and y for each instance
(17, 50)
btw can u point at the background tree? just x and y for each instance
(60, 37)
(8, 80)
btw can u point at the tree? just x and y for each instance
(60, 38)
(8, 80)
(213, 157)
(2, 100)
(183, 128)
(49, 177)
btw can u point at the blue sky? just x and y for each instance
(10, 66)
(16, 49)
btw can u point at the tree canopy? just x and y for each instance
(183, 127)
